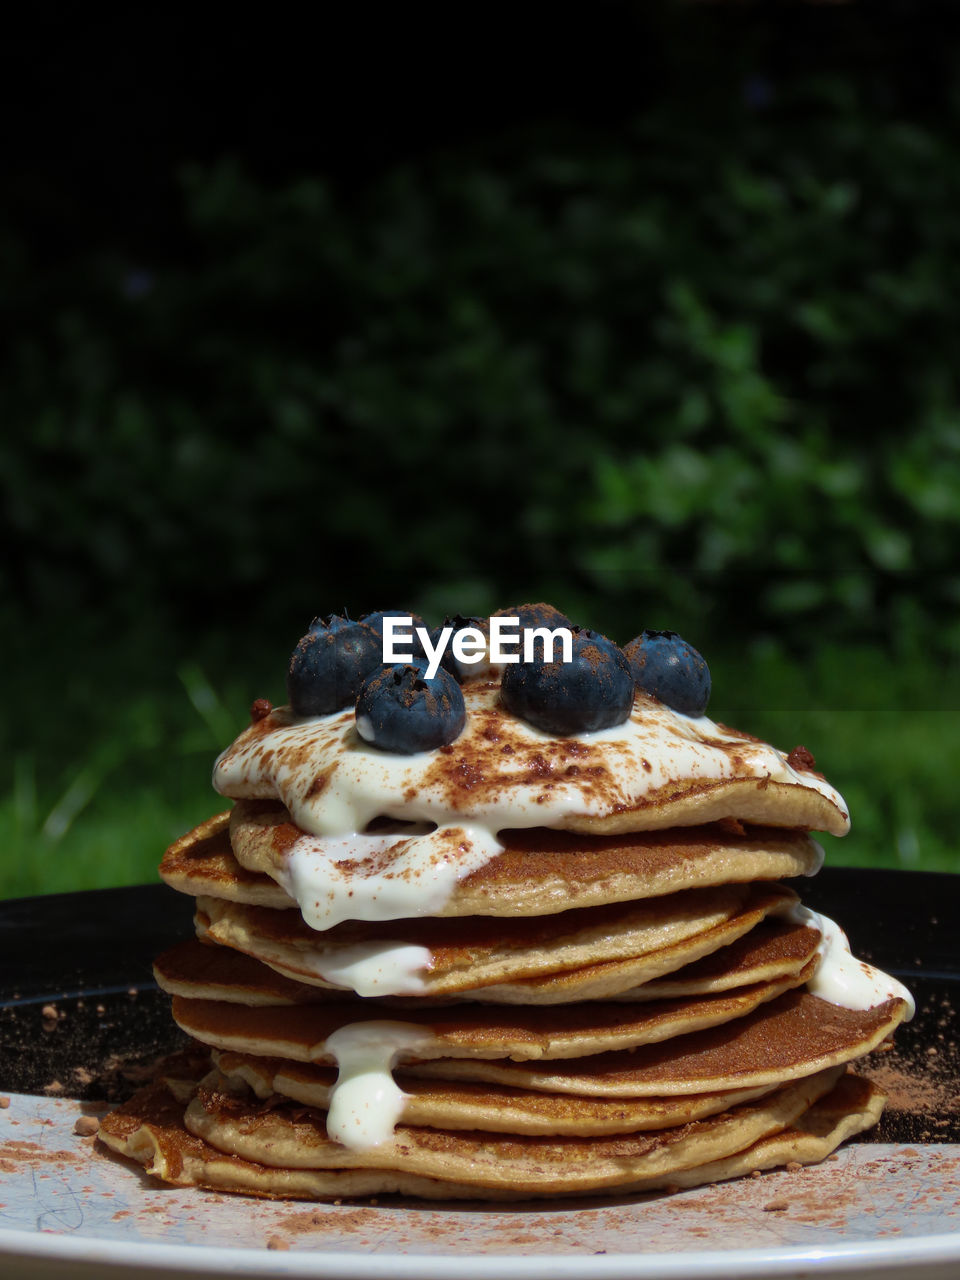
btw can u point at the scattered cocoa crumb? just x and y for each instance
(4, 1103)
(49, 1011)
(86, 1126)
(776, 1206)
(278, 1242)
(802, 759)
(793, 1166)
(53, 1088)
(133, 991)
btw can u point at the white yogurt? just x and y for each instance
(841, 978)
(366, 1102)
(381, 877)
(373, 968)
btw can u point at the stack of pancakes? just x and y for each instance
(516, 966)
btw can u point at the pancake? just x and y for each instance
(538, 871)
(477, 954)
(202, 862)
(301, 1032)
(202, 972)
(293, 1141)
(288, 1138)
(615, 979)
(792, 1036)
(853, 1105)
(447, 1104)
(150, 1130)
(773, 949)
(660, 769)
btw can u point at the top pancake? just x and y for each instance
(659, 769)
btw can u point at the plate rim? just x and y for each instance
(916, 1252)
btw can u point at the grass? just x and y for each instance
(92, 792)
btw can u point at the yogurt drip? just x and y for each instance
(366, 1102)
(841, 978)
(382, 877)
(374, 968)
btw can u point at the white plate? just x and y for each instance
(68, 1208)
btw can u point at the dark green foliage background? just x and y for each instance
(694, 365)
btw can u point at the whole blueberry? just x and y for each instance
(329, 665)
(672, 670)
(536, 615)
(375, 619)
(592, 691)
(413, 645)
(450, 662)
(399, 709)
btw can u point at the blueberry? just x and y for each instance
(413, 645)
(399, 709)
(329, 665)
(666, 666)
(593, 691)
(450, 662)
(536, 615)
(375, 620)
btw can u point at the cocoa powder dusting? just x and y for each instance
(921, 1079)
(17, 1154)
(472, 770)
(318, 1221)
